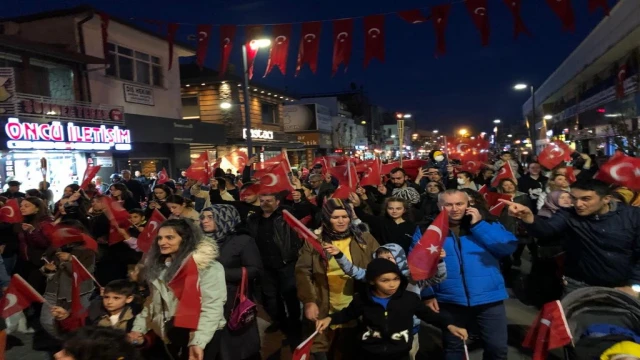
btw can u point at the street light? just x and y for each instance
(497, 121)
(509, 135)
(462, 132)
(407, 116)
(520, 86)
(548, 117)
(255, 45)
(435, 131)
(533, 113)
(225, 105)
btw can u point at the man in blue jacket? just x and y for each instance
(474, 290)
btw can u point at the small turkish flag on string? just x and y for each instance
(148, 235)
(186, 288)
(18, 296)
(413, 16)
(309, 46)
(163, 177)
(172, 28)
(252, 33)
(104, 28)
(478, 11)
(423, 259)
(518, 24)
(80, 275)
(564, 11)
(620, 79)
(595, 4)
(374, 38)
(440, 18)
(621, 170)
(275, 181)
(227, 34)
(342, 43)
(10, 212)
(505, 172)
(204, 35)
(89, 173)
(554, 154)
(304, 232)
(199, 169)
(280, 48)
(303, 351)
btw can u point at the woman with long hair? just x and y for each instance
(323, 287)
(32, 240)
(121, 193)
(74, 207)
(182, 208)
(179, 243)
(238, 252)
(158, 200)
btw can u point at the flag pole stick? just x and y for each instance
(88, 272)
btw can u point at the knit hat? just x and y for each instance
(407, 193)
(378, 267)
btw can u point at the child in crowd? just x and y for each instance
(138, 221)
(98, 343)
(387, 311)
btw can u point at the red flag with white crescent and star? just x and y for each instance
(423, 259)
(79, 275)
(303, 351)
(413, 16)
(603, 4)
(251, 34)
(554, 154)
(342, 44)
(480, 16)
(10, 212)
(564, 11)
(185, 286)
(163, 176)
(277, 180)
(280, 49)
(204, 35)
(620, 79)
(505, 172)
(172, 29)
(199, 169)
(61, 235)
(518, 24)
(570, 175)
(347, 177)
(227, 34)
(621, 170)
(372, 173)
(304, 233)
(440, 18)
(18, 296)
(150, 231)
(89, 173)
(309, 46)
(374, 38)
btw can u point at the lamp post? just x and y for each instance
(400, 117)
(255, 44)
(532, 129)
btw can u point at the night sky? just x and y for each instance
(470, 86)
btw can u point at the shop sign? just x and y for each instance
(58, 136)
(258, 134)
(138, 95)
(104, 161)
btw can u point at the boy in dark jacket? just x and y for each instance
(387, 311)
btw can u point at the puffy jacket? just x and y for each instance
(285, 238)
(473, 264)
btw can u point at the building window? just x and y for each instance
(269, 113)
(190, 107)
(130, 65)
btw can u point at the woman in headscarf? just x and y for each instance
(323, 287)
(237, 251)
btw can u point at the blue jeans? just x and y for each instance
(489, 319)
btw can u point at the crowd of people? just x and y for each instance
(357, 292)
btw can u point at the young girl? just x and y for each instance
(387, 314)
(182, 208)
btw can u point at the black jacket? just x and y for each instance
(388, 332)
(601, 250)
(285, 239)
(136, 189)
(386, 231)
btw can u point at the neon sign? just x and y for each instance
(258, 134)
(56, 136)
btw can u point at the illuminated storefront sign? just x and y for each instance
(258, 134)
(67, 136)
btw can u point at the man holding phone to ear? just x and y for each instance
(474, 290)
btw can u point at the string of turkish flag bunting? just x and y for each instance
(343, 30)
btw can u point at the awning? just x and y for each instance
(17, 43)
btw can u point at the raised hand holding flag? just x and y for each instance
(423, 259)
(303, 351)
(10, 212)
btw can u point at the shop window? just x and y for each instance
(190, 107)
(127, 64)
(269, 113)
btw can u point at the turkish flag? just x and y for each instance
(236, 159)
(621, 170)
(518, 24)
(250, 190)
(227, 34)
(413, 16)
(304, 232)
(18, 296)
(114, 235)
(570, 175)
(279, 49)
(550, 330)
(423, 259)
(505, 172)
(204, 35)
(172, 28)
(554, 154)
(564, 11)
(347, 178)
(263, 168)
(251, 34)
(372, 174)
(80, 274)
(622, 76)
(472, 167)
(89, 173)
(342, 43)
(309, 46)
(163, 177)
(186, 288)
(440, 17)
(496, 210)
(275, 181)
(483, 190)
(595, 4)
(61, 235)
(493, 198)
(10, 212)
(478, 11)
(117, 214)
(148, 235)
(303, 351)
(104, 29)
(199, 169)
(374, 38)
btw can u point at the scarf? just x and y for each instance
(551, 203)
(328, 234)
(226, 218)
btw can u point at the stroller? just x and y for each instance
(586, 307)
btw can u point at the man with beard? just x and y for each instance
(398, 186)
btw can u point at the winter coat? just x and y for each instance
(473, 264)
(285, 239)
(313, 284)
(59, 283)
(97, 315)
(213, 293)
(386, 231)
(509, 222)
(601, 250)
(34, 244)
